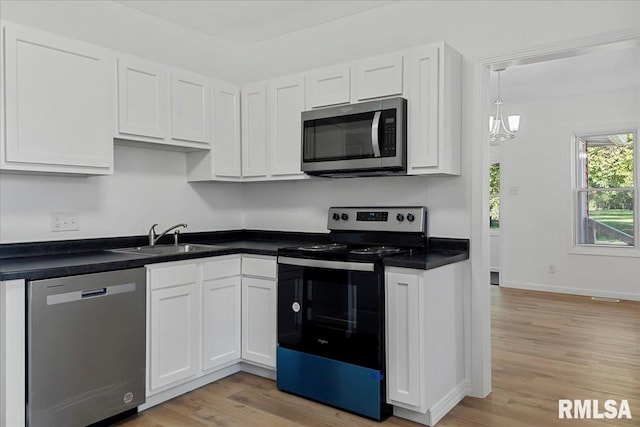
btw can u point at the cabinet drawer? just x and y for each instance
(172, 275)
(221, 268)
(263, 267)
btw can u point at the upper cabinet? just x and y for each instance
(286, 103)
(254, 130)
(65, 101)
(379, 76)
(190, 107)
(162, 105)
(223, 161)
(142, 98)
(58, 104)
(434, 111)
(329, 86)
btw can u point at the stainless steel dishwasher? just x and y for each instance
(85, 347)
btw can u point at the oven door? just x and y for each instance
(331, 309)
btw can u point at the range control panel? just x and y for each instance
(398, 218)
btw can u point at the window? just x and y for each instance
(494, 196)
(606, 190)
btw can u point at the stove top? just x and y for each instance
(368, 234)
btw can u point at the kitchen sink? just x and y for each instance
(168, 249)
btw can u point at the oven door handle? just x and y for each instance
(375, 125)
(332, 265)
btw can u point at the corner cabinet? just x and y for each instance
(425, 340)
(206, 315)
(58, 104)
(223, 162)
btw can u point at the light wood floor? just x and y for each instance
(545, 347)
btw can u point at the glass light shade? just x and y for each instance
(514, 123)
(500, 131)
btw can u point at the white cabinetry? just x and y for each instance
(259, 310)
(223, 162)
(161, 105)
(379, 76)
(190, 107)
(142, 98)
(221, 306)
(286, 105)
(58, 101)
(254, 130)
(329, 86)
(434, 112)
(193, 320)
(425, 340)
(174, 323)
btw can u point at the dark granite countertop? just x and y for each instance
(441, 252)
(41, 260)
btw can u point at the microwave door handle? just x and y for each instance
(375, 144)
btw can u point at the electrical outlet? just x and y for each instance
(65, 221)
(551, 269)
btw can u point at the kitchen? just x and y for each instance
(149, 185)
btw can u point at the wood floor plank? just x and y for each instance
(545, 347)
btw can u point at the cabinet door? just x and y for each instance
(59, 104)
(423, 141)
(286, 106)
(329, 86)
(174, 334)
(221, 321)
(403, 325)
(254, 130)
(142, 98)
(259, 321)
(379, 76)
(226, 130)
(190, 107)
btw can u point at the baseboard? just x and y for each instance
(181, 389)
(447, 403)
(572, 291)
(439, 409)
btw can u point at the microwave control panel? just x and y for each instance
(401, 218)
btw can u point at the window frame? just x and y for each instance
(576, 187)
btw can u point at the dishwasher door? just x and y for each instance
(85, 347)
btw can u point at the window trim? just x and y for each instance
(594, 249)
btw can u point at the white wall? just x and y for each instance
(473, 28)
(148, 186)
(537, 223)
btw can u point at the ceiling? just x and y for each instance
(609, 70)
(244, 22)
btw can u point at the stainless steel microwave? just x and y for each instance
(363, 139)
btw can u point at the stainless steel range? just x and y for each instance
(331, 307)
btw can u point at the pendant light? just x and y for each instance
(499, 130)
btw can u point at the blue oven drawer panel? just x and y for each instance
(336, 383)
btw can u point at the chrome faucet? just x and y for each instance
(153, 237)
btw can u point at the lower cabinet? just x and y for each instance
(205, 315)
(425, 340)
(173, 326)
(259, 321)
(220, 322)
(259, 301)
